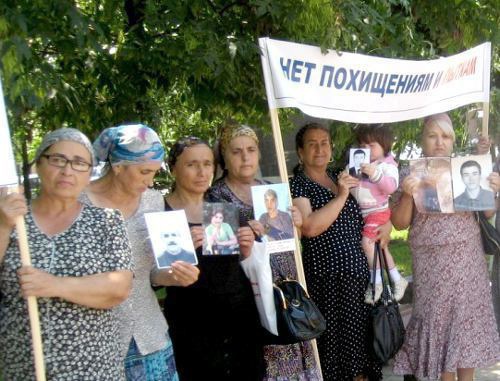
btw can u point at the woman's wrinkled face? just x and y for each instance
(64, 182)
(194, 169)
(242, 158)
(137, 178)
(317, 150)
(436, 142)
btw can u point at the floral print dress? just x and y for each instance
(80, 343)
(452, 324)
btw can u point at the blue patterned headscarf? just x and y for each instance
(129, 144)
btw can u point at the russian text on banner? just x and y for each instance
(365, 89)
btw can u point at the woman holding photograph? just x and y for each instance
(133, 154)
(447, 336)
(80, 271)
(214, 323)
(335, 265)
(239, 159)
(220, 236)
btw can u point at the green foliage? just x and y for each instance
(184, 66)
(402, 256)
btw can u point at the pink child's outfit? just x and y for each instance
(373, 195)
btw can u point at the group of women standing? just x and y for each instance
(94, 274)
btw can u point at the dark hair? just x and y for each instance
(217, 210)
(178, 148)
(380, 133)
(358, 151)
(470, 163)
(180, 145)
(299, 138)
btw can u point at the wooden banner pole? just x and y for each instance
(280, 154)
(36, 336)
(486, 115)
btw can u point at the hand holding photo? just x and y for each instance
(220, 221)
(170, 238)
(434, 192)
(270, 204)
(358, 156)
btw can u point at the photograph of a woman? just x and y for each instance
(219, 232)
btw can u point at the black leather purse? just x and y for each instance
(298, 318)
(387, 328)
(489, 235)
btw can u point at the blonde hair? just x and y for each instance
(443, 121)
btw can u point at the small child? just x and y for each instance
(373, 193)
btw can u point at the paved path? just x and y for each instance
(487, 374)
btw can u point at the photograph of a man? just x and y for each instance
(170, 238)
(173, 250)
(277, 224)
(474, 197)
(358, 156)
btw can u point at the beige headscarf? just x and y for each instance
(233, 129)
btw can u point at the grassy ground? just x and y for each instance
(400, 251)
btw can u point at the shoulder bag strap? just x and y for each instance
(376, 259)
(384, 266)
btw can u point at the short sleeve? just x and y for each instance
(118, 252)
(297, 188)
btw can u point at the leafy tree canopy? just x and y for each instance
(184, 66)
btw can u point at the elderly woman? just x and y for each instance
(80, 270)
(452, 329)
(214, 323)
(334, 263)
(133, 154)
(239, 158)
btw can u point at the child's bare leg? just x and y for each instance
(369, 249)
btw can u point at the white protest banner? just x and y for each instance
(365, 89)
(8, 175)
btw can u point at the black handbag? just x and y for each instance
(387, 328)
(489, 235)
(298, 318)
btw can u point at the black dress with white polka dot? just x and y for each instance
(337, 276)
